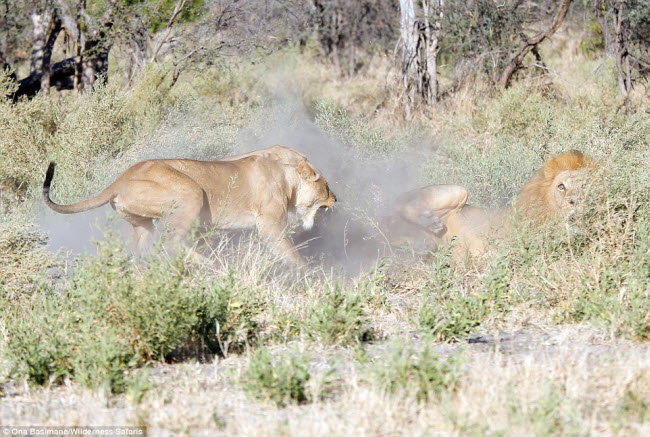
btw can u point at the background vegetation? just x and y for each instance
(545, 334)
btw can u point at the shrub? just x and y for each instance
(356, 132)
(338, 317)
(116, 315)
(227, 314)
(26, 128)
(617, 297)
(423, 374)
(23, 261)
(552, 413)
(633, 407)
(281, 381)
(156, 308)
(450, 312)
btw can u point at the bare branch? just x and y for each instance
(530, 43)
(177, 10)
(544, 67)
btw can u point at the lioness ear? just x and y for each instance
(307, 172)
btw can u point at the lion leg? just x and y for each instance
(430, 207)
(274, 231)
(181, 218)
(142, 227)
(142, 234)
(167, 194)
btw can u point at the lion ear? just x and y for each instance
(307, 172)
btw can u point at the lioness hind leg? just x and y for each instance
(142, 234)
(183, 216)
(161, 193)
(143, 227)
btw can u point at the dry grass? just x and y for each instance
(570, 381)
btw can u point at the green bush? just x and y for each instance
(227, 314)
(356, 132)
(24, 262)
(26, 128)
(633, 407)
(372, 288)
(618, 296)
(553, 413)
(282, 381)
(82, 133)
(338, 317)
(451, 310)
(116, 315)
(423, 374)
(77, 132)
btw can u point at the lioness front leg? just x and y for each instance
(275, 232)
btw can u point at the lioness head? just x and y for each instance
(313, 193)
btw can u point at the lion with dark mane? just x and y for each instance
(441, 212)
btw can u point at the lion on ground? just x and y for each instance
(251, 191)
(441, 212)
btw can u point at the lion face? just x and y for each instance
(557, 188)
(312, 194)
(566, 190)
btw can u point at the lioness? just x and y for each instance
(278, 153)
(253, 191)
(443, 213)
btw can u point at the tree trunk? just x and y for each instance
(95, 61)
(95, 52)
(419, 39)
(38, 40)
(78, 72)
(517, 60)
(622, 55)
(47, 27)
(409, 48)
(78, 68)
(54, 29)
(432, 38)
(60, 76)
(601, 18)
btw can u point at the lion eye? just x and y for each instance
(561, 187)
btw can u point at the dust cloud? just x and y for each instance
(77, 233)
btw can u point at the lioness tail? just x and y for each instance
(84, 205)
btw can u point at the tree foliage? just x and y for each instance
(65, 43)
